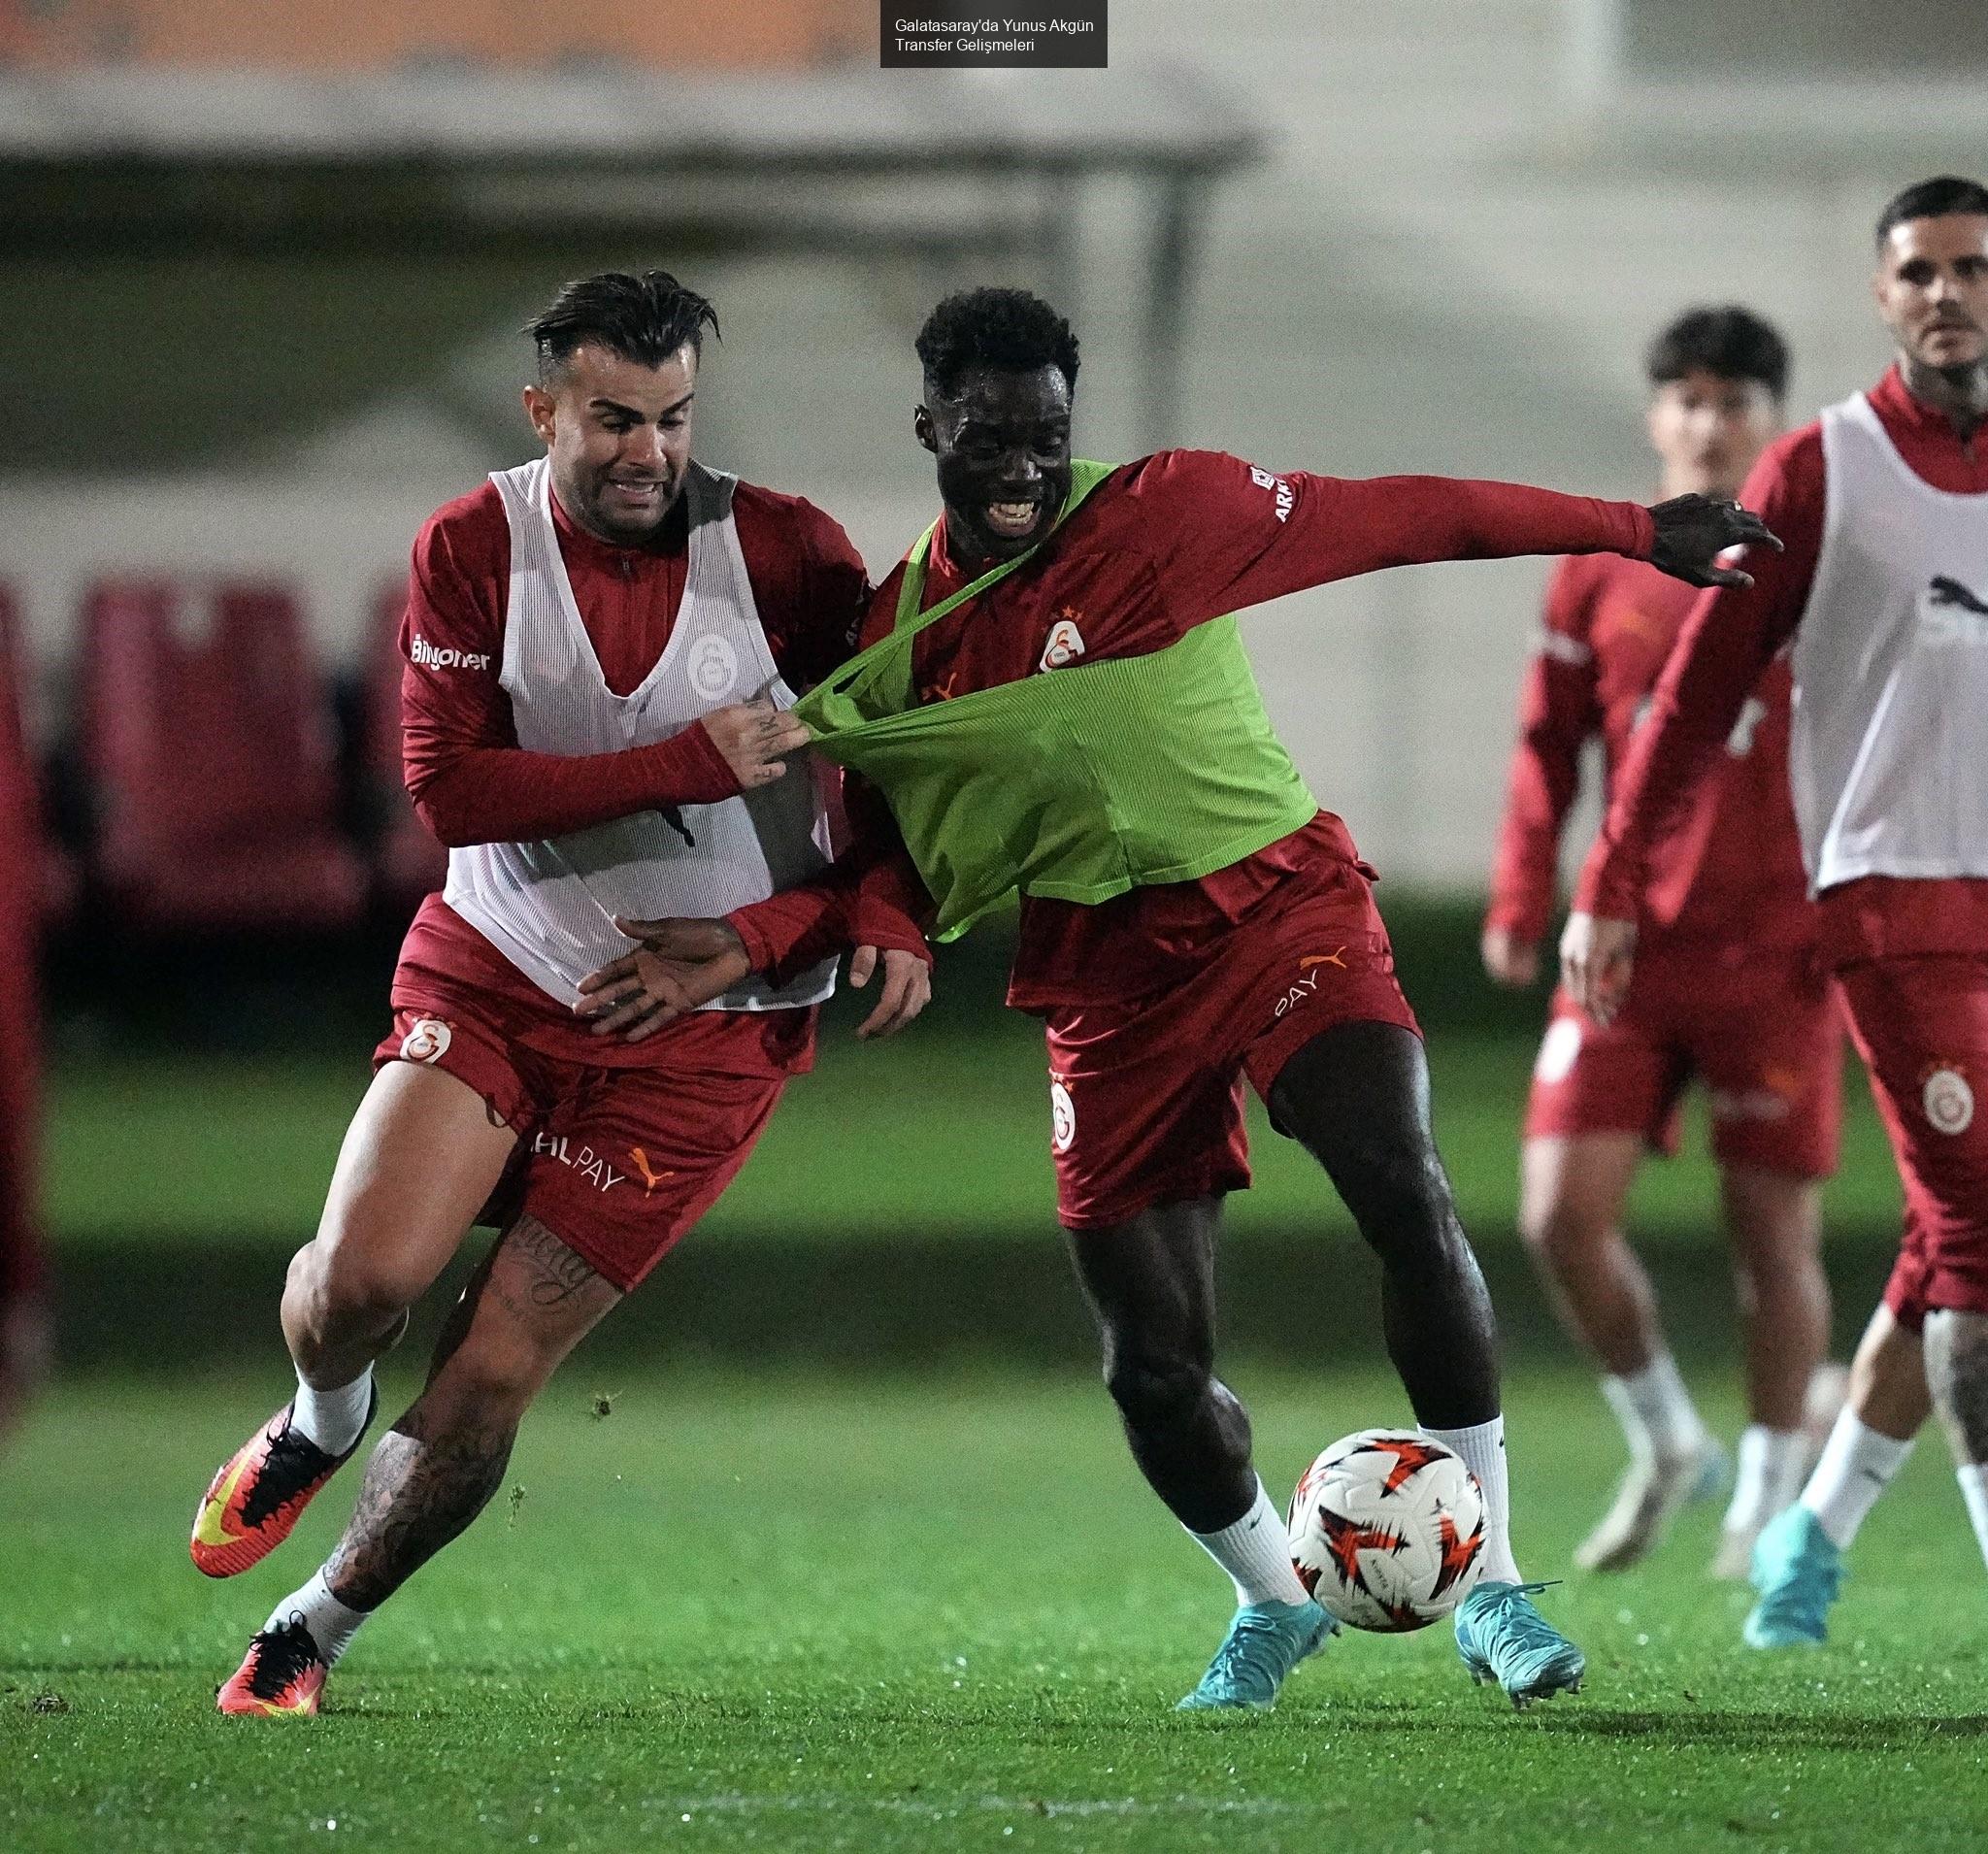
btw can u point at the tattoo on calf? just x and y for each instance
(436, 1469)
(420, 1492)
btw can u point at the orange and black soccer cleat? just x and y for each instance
(283, 1673)
(254, 1498)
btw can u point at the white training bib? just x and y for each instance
(1889, 753)
(548, 907)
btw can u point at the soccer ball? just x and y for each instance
(1387, 1530)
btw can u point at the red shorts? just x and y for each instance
(1761, 1030)
(1145, 1097)
(1921, 1025)
(616, 1162)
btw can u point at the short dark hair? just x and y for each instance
(1935, 198)
(1730, 342)
(1011, 330)
(644, 319)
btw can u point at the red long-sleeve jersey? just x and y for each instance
(1727, 642)
(1733, 868)
(1161, 546)
(470, 779)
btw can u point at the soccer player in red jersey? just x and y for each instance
(1727, 990)
(24, 1270)
(601, 645)
(1264, 958)
(1883, 591)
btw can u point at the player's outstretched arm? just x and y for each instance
(1225, 534)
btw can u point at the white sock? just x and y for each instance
(1857, 1464)
(1655, 1409)
(332, 1624)
(1256, 1553)
(1482, 1448)
(1974, 1480)
(1768, 1476)
(333, 1418)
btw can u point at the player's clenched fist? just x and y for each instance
(754, 736)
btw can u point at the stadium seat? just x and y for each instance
(407, 862)
(205, 736)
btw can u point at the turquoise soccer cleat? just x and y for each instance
(1503, 1637)
(1798, 1569)
(1265, 1642)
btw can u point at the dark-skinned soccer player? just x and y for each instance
(1052, 697)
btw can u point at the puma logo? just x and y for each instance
(650, 1180)
(1945, 591)
(1950, 613)
(1302, 991)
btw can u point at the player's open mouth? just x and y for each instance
(641, 494)
(1010, 520)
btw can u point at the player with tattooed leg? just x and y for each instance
(602, 649)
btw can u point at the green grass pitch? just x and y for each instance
(931, 1613)
(239, 1149)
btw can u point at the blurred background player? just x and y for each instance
(1883, 507)
(24, 1341)
(1727, 990)
(1190, 917)
(600, 647)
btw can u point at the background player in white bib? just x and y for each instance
(1727, 993)
(600, 644)
(1884, 508)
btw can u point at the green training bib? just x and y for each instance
(1076, 783)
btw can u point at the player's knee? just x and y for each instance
(1399, 1198)
(1558, 1233)
(1154, 1388)
(335, 1287)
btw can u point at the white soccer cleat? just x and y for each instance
(1652, 1491)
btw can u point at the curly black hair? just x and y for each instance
(1730, 342)
(644, 319)
(1012, 330)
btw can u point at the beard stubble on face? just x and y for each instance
(600, 508)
